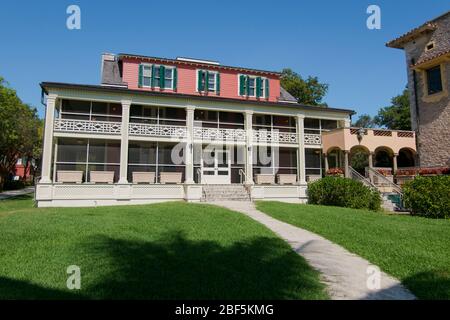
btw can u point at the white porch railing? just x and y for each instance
(274, 136)
(219, 134)
(70, 125)
(154, 130)
(313, 139)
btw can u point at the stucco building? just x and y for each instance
(427, 50)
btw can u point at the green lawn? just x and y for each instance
(413, 249)
(161, 251)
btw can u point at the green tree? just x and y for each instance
(364, 121)
(309, 91)
(19, 131)
(396, 116)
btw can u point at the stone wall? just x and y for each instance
(432, 123)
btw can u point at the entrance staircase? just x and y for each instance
(221, 192)
(392, 200)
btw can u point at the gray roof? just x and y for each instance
(286, 96)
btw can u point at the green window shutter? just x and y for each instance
(161, 76)
(247, 85)
(206, 80)
(258, 87)
(175, 78)
(141, 72)
(266, 93)
(242, 85)
(217, 82)
(199, 80)
(153, 76)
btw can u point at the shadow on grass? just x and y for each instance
(431, 285)
(177, 268)
(19, 289)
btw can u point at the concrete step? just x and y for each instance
(225, 192)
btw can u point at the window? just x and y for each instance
(313, 161)
(273, 123)
(429, 46)
(87, 155)
(252, 86)
(155, 157)
(218, 119)
(157, 115)
(317, 126)
(208, 80)
(157, 76)
(147, 76)
(90, 110)
(434, 80)
(274, 160)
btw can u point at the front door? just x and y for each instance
(216, 167)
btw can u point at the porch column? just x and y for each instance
(301, 172)
(347, 171)
(325, 158)
(370, 159)
(249, 147)
(124, 142)
(394, 162)
(48, 139)
(189, 169)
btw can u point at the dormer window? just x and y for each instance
(157, 76)
(208, 81)
(252, 86)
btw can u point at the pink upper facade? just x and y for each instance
(187, 78)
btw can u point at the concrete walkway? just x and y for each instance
(347, 275)
(14, 193)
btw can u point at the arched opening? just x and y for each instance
(383, 157)
(406, 158)
(359, 158)
(334, 158)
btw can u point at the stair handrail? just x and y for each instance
(385, 180)
(242, 173)
(357, 176)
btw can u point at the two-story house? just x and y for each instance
(427, 50)
(160, 129)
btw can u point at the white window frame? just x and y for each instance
(144, 65)
(263, 86)
(216, 73)
(172, 68)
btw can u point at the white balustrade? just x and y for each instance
(219, 134)
(313, 139)
(70, 125)
(154, 130)
(274, 136)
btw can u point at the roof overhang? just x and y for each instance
(47, 86)
(432, 61)
(400, 42)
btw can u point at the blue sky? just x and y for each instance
(328, 39)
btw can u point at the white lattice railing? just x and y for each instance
(314, 139)
(274, 136)
(219, 134)
(70, 125)
(154, 130)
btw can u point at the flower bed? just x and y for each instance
(335, 172)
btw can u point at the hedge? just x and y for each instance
(343, 192)
(428, 196)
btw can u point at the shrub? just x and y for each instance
(343, 192)
(428, 196)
